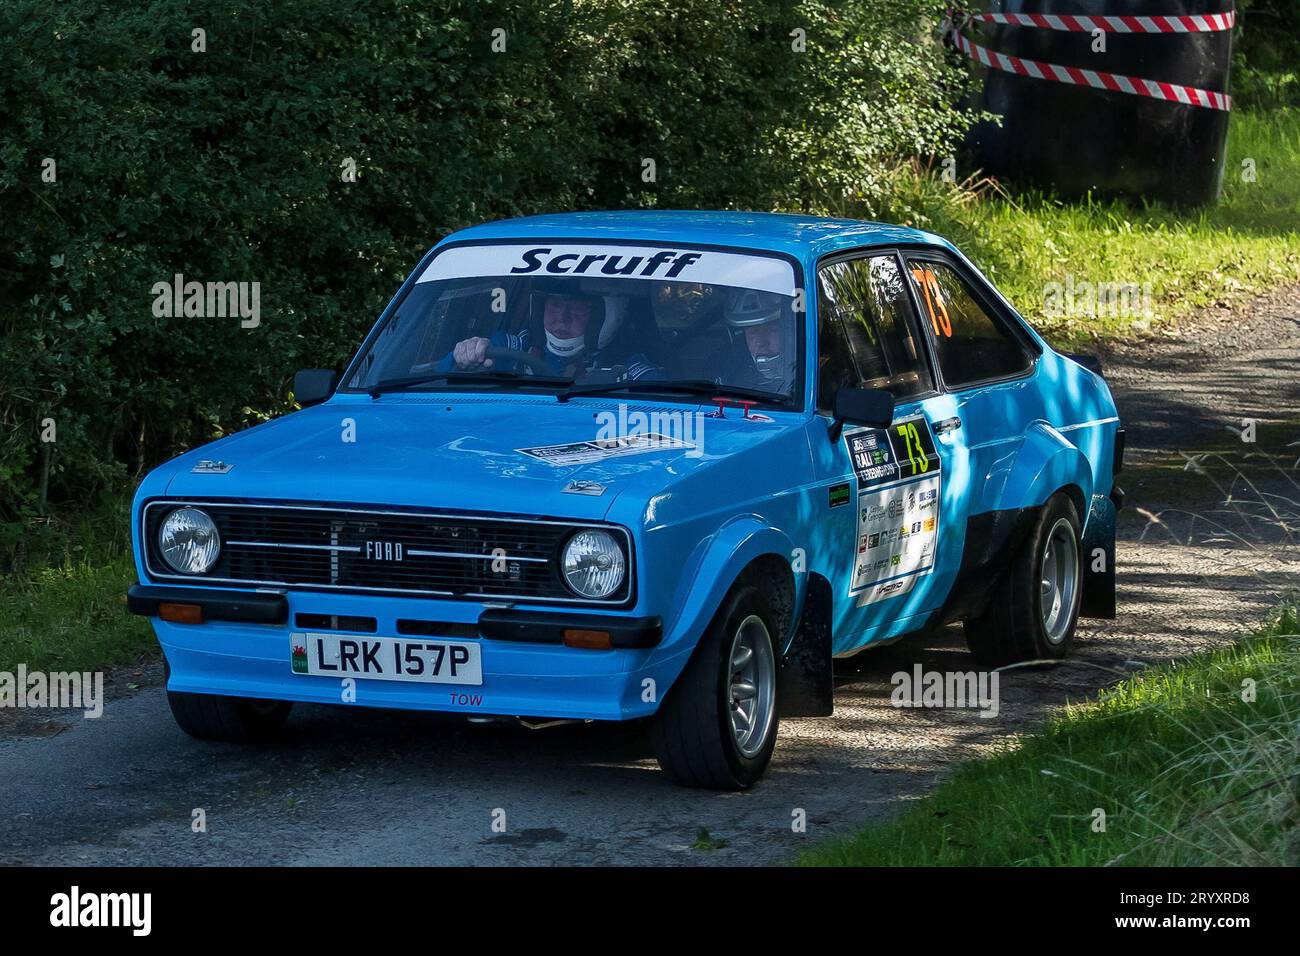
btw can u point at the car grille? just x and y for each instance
(372, 550)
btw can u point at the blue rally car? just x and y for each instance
(661, 465)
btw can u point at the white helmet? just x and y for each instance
(615, 315)
(746, 307)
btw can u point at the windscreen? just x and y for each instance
(557, 314)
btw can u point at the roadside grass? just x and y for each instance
(1244, 244)
(1184, 769)
(69, 613)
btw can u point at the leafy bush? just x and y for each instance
(226, 166)
(1266, 54)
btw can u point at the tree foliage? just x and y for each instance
(226, 165)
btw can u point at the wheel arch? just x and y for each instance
(1046, 463)
(1075, 494)
(802, 604)
(773, 573)
(745, 546)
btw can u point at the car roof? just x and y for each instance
(804, 237)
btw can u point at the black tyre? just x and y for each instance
(1033, 613)
(235, 719)
(717, 726)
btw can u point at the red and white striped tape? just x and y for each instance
(1115, 82)
(1197, 23)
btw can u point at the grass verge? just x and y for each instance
(71, 614)
(1186, 771)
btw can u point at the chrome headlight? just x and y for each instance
(188, 541)
(594, 566)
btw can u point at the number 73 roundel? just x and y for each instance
(898, 479)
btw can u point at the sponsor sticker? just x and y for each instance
(586, 452)
(209, 467)
(581, 486)
(613, 261)
(898, 475)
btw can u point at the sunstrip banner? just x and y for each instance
(1115, 82)
(1200, 23)
(613, 261)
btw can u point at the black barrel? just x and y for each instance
(1076, 139)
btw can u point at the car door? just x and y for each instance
(984, 364)
(895, 538)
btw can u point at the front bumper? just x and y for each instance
(248, 607)
(242, 648)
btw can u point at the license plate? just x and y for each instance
(386, 658)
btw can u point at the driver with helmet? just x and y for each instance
(769, 360)
(570, 321)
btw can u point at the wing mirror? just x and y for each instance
(312, 386)
(873, 407)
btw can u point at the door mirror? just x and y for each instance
(312, 386)
(873, 407)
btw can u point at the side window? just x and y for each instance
(970, 345)
(865, 332)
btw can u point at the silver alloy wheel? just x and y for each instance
(1059, 588)
(751, 685)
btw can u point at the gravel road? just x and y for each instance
(363, 787)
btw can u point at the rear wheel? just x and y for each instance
(717, 727)
(1033, 613)
(235, 719)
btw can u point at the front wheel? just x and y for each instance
(235, 719)
(717, 727)
(1033, 613)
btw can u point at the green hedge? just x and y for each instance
(1266, 55)
(226, 165)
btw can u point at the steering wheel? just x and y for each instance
(534, 362)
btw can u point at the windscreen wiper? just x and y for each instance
(483, 376)
(687, 387)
